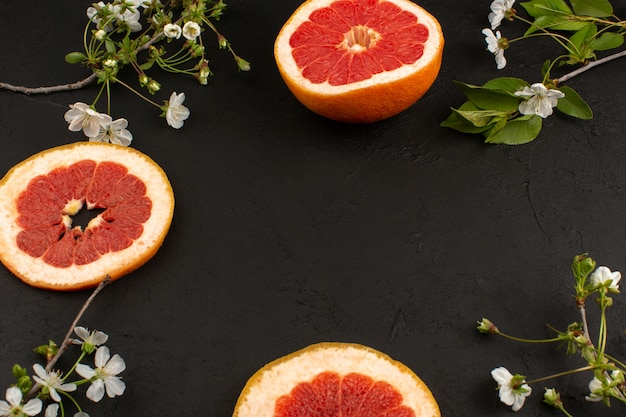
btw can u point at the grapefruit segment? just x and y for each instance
(359, 60)
(39, 196)
(336, 380)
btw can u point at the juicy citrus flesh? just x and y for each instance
(359, 60)
(39, 196)
(336, 380)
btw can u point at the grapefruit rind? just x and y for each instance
(36, 272)
(279, 377)
(383, 95)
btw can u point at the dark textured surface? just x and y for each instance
(291, 229)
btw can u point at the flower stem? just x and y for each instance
(564, 373)
(137, 93)
(519, 339)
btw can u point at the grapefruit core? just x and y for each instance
(335, 379)
(40, 195)
(359, 61)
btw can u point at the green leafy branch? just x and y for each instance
(510, 110)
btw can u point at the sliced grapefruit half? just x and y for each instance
(359, 60)
(39, 196)
(333, 379)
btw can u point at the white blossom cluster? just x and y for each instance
(51, 385)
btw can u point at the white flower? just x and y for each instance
(511, 388)
(93, 15)
(495, 46)
(191, 30)
(499, 10)
(172, 31)
(600, 391)
(540, 100)
(13, 405)
(52, 410)
(52, 381)
(176, 113)
(82, 117)
(114, 132)
(603, 276)
(90, 340)
(130, 16)
(104, 377)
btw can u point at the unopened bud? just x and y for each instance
(100, 34)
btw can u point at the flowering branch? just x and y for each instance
(139, 34)
(26, 398)
(608, 373)
(510, 110)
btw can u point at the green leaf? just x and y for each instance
(147, 65)
(537, 8)
(584, 35)
(480, 118)
(594, 8)
(582, 266)
(462, 125)
(608, 40)
(507, 84)
(75, 57)
(490, 99)
(110, 46)
(517, 131)
(573, 105)
(555, 22)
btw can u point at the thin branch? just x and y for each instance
(66, 342)
(590, 66)
(71, 86)
(51, 89)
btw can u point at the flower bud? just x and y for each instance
(242, 64)
(143, 80)
(486, 326)
(100, 34)
(18, 371)
(222, 42)
(153, 86)
(553, 398)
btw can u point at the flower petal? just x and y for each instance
(102, 356)
(33, 407)
(502, 375)
(14, 396)
(115, 365)
(114, 386)
(95, 392)
(85, 371)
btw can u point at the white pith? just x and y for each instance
(278, 379)
(283, 49)
(37, 272)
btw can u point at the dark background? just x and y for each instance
(291, 229)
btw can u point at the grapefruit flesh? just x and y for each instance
(40, 196)
(336, 380)
(359, 60)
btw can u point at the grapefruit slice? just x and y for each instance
(39, 196)
(334, 379)
(359, 61)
